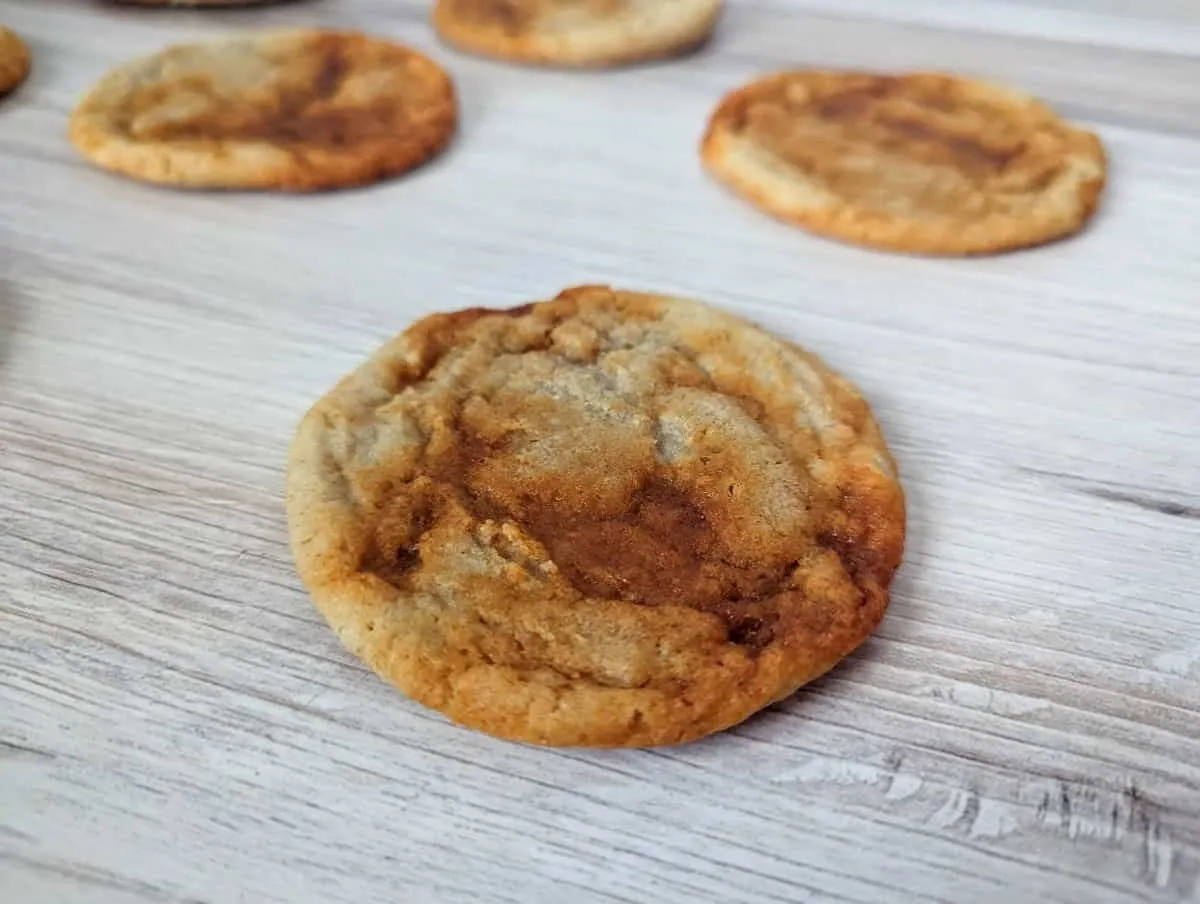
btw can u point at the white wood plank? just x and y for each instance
(177, 724)
(1160, 26)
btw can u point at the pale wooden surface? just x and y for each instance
(177, 724)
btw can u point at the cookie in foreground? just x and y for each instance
(15, 61)
(608, 519)
(591, 33)
(291, 110)
(924, 162)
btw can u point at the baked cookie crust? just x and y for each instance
(608, 519)
(197, 4)
(293, 110)
(15, 61)
(925, 162)
(576, 33)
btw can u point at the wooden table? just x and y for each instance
(178, 724)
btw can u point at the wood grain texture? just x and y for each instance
(177, 724)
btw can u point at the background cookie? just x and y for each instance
(925, 162)
(293, 110)
(575, 32)
(15, 61)
(608, 519)
(196, 3)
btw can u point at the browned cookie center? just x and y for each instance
(913, 141)
(925, 124)
(662, 550)
(328, 91)
(509, 15)
(624, 519)
(659, 549)
(518, 16)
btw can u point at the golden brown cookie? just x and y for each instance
(609, 519)
(576, 32)
(923, 163)
(15, 61)
(296, 110)
(194, 4)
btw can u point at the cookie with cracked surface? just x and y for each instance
(608, 519)
(925, 163)
(294, 110)
(584, 33)
(15, 61)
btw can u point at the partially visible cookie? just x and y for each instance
(581, 33)
(15, 61)
(608, 519)
(295, 110)
(193, 3)
(922, 163)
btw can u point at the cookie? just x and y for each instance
(584, 33)
(295, 110)
(194, 4)
(923, 163)
(608, 519)
(15, 61)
